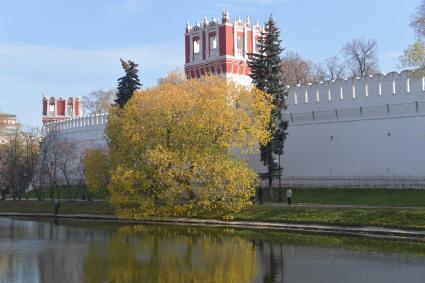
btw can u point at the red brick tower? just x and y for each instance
(220, 48)
(60, 109)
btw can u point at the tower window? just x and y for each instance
(213, 46)
(239, 45)
(213, 42)
(196, 47)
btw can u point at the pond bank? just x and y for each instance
(376, 232)
(312, 217)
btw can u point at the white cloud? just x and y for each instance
(21, 58)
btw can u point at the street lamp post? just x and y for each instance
(280, 181)
(277, 164)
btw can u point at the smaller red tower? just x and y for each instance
(60, 109)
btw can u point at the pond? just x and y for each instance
(82, 251)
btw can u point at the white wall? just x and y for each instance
(373, 136)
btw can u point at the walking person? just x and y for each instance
(289, 195)
(261, 195)
(57, 206)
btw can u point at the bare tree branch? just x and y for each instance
(295, 69)
(318, 73)
(334, 68)
(361, 57)
(99, 101)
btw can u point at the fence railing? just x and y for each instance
(352, 182)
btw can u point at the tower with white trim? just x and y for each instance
(220, 48)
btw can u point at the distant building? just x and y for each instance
(61, 109)
(9, 127)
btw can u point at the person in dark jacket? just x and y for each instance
(57, 206)
(261, 195)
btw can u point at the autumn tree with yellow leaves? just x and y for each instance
(97, 164)
(174, 149)
(413, 56)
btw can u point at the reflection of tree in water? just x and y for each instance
(273, 259)
(163, 255)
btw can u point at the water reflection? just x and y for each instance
(162, 256)
(42, 251)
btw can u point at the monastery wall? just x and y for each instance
(355, 133)
(87, 131)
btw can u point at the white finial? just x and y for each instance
(214, 20)
(248, 21)
(205, 21)
(226, 14)
(257, 23)
(239, 19)
(198, 24)
(188, 27)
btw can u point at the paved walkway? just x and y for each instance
(363, 231)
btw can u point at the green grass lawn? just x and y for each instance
(74, 207)
(378, 197)
(382, 217)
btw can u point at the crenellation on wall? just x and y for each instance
(379, 89)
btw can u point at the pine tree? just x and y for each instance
(128, 83)
(265, 68)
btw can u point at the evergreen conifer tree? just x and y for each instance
(265, 67)
(128, 83)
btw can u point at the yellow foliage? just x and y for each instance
(175, 77)
(414, 57)
(97, 165)
(171, 148)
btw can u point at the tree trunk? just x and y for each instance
(271, 187)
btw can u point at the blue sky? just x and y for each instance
(69, 48)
